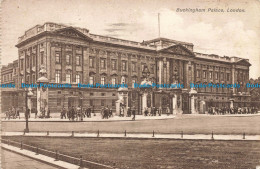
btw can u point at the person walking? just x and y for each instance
(133, 112)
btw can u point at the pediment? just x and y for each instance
(243, 62)
(178, 49)
(72, 32)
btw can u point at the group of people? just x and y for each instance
(75, 113)
(235, 110)
(12, 113)
(43, 113)
(15, 113)
(129, 112)
(154, 111)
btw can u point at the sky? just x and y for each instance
(229, 34)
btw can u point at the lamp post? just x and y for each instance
(27, 96)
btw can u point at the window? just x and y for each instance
(78, 78)
(133, 83)
(113, 103)
(228, 76)
(103, 63)
(33, 78)
(68, 59)
(134, 67)
(221, 76)
(78, 60)
(143, 67)
(114, 63)
(102, 102)
(57, 76)
(198, 73)
(103, 94)
(21, 63)
(102, 80)
(91, 94)
(152, 69)
(91, 102)
(57, 57)
(42, 57)
(58, 101)
(33, 60)
(28, 79)
(91, 80)
(204, 74)
(91, 62)
(68, 78)
(216, 75)
(113, 81)
(210, 75)
(123, 80)
(28, 62)
(124, 67)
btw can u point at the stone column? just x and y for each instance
(180, 108)
(192, 102)
(144, 102)
(117, 107)
(174, 105)
(160, 71)
(231, 104)
(38, 97)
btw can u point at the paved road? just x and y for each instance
(11, 160)
(189, 124)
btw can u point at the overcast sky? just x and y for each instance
(230, 34)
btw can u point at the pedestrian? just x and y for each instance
(168, 111)
(133, 113)
(18, 112)
(48, 113)
(160, 111)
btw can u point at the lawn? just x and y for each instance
(153, 154)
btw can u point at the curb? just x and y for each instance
(154, 135)
(41, 158)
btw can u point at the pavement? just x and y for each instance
(11, 160)
(152, 135)
(56, 118)
(24, 159)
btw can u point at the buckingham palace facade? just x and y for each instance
(73, 55)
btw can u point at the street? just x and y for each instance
(189, 124)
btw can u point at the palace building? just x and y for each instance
(74, 55)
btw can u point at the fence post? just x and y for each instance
(212, 136)
(98, 133)
(56, 156)
(244, 135)
(37, 151)
(72, 134)
(153, 133)
(181, 134)
(47, 133)
(81, 162)
(125, 133)
(21, 145)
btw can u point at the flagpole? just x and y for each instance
(159, 25)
